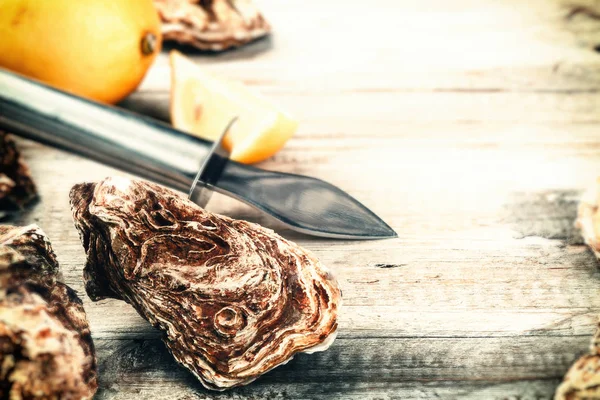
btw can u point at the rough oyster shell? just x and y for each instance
(232, 298)
(588, 217)
(16, 187)
(46, 350)
(211, 24)
(582, 381)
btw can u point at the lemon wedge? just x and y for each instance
(203, 105)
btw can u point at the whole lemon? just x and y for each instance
(100, 49)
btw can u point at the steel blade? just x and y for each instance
(305, 204)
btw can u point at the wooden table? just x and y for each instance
(471, 127)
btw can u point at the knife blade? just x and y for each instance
(154, 150)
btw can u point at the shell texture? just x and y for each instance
(233, 299)
(17, 189)
(46, 350)
(213, 25)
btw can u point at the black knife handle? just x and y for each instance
(140, 145)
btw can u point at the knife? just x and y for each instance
(154, 150)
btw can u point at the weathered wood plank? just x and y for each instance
(522, 390)
(398, 46)
(353, 367)
(398, 109)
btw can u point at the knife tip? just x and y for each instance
(390, 235)
(381, 232)
(387, 231)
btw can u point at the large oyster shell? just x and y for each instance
(232, 298)
(211, 24)
(46, 351)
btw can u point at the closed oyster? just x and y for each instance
(17, 189)
(582, 381)
(211, 24)
(588, 217)
(46, 351)
(232, 298)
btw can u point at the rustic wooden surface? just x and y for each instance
(471, 127)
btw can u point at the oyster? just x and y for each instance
(582, 381)
(232, 298)
(16, 187)
(211, 24)
(46, 350)
(588, 217)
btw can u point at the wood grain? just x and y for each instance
(472, 128)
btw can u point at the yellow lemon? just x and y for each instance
(100, 49)
(203, 105)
